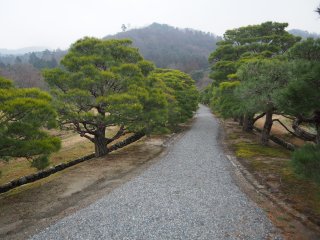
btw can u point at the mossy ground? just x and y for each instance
(271, 165)
(249, 150)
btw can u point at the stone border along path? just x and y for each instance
(188, 194)
(42, 174)
(54, 169)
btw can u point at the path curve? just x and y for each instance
(188, 194)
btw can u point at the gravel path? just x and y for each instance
(188, 194)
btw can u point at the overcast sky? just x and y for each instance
(58, 23)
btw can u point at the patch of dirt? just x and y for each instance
(72, 140)
(32, 207)
(274, 175)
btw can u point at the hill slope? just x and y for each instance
(170, 47)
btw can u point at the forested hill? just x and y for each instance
(169, 47)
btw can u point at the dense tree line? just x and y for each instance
(24, 75)
(262, 70)
(168, 47)
(45, 58)
(25, 70)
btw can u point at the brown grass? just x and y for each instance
(280, 131)
(72, 147)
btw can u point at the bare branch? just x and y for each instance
(120, 133)
(88, 137)
(287, 116)
(82, 132)
(277, 120)
(90, 131)
(258, 117)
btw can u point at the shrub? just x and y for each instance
(306, 162)
(40, 163)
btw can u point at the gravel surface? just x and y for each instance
(188, 194)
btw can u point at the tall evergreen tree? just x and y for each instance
(265, 40)
(104, 83)
(185, 95)
(261, 82)
(244, 45)
(301, 97)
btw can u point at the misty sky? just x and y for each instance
(58, 23)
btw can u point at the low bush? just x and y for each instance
(306, 162)
(40, 163)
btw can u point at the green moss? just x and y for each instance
(282, 218)
(233, 136)
(275, 162)
(249, 150)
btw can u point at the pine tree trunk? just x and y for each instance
(317, 123)
(318, 135)
(267, 128)
(241, 121)
(100, 143)
(248, 122)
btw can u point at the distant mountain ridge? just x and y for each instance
(169, 47)
(21, 51)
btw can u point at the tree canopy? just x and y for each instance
(181, 87)
(23, 115)
(261, 82)
(106, 84)
(277, 74)
(239, 45)
(301, 97)
(248, 48)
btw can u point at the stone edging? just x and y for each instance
(47, 172)
(42, 174)
(262, 190)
